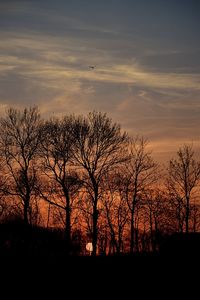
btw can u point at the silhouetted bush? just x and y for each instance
(16, 238)
(181, 245)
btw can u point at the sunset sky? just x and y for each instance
(146, 55)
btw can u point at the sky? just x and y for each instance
(146, 55)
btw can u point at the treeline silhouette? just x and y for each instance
(69, 181)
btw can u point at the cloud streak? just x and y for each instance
(146, 76)
(50, 62)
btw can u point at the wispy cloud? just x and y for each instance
(146, 76)
(53, 59)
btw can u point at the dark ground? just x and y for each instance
(123, 277)
(44, 273)
(148, 277)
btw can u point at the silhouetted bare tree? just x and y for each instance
(156, 206)
(177, 209)
(62, 181)
(115, 209)
(195, 217)
(100, 145)
(3, 204)
(19, 140)
(139, 175)
(183, 179)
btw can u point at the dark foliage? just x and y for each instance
(181, 245)
(18, 239)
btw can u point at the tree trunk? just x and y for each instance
(95, 231)
(151, 230)
(48, 215)
(132, 232)
(180, 225)
(26, 207)
(119, 241)
(187, 215)
(68, 224)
